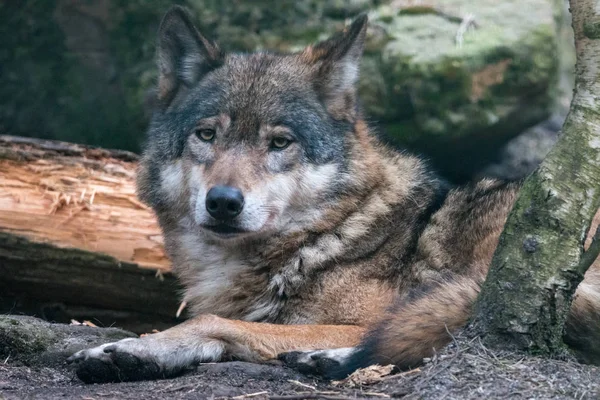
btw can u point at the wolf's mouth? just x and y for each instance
(224, 229)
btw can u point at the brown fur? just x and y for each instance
(416, 327)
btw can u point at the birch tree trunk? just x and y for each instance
(540, 259)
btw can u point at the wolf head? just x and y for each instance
(248, 145)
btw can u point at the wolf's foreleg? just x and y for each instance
(204, 339)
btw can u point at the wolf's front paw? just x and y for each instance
(125, 360)
(324, 363)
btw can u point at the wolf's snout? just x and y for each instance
(224, 202)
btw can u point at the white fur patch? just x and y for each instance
(190, 67)
(198, 192)
(341, 356)
(209, 270)
(264, 310)
(212, 268)
(172, 181)
(350, 72)
(298, 200)
(320, 177)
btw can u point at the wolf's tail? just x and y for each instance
(422, 323)
(416, 326)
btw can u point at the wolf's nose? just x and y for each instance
(224, 202)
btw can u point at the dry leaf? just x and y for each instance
(366, 376)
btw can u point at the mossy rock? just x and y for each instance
(461, 96)
(87, 77)
(506, 63)
(33, 342)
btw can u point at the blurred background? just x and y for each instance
(479, 87)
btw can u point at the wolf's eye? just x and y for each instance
(280, 143)
(206, 135)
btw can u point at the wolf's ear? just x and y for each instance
(184, 55)
(336, 64)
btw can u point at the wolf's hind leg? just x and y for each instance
(414, 328)
(202, 339)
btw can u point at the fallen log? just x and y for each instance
(75, 243)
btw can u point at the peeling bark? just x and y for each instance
(540, 259)
(78, 197)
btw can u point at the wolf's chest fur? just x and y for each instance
(208, 272)
(308, 287)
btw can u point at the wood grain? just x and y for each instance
(79, 197)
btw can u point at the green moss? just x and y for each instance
(591, 29)
(439, 77)
(22, 340)
(34, 342)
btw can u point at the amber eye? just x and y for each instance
(206, 135)
(280, 143)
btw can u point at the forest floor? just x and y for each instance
(465, 370)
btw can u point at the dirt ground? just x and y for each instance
(466, 370)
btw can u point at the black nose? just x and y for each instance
(224, 202)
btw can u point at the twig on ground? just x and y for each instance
(304, 385)
(250, 395)
(401, 374)
(309, 395)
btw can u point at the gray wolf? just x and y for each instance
(296, 233)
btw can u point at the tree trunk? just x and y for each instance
(74, 240)
(540, 259)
